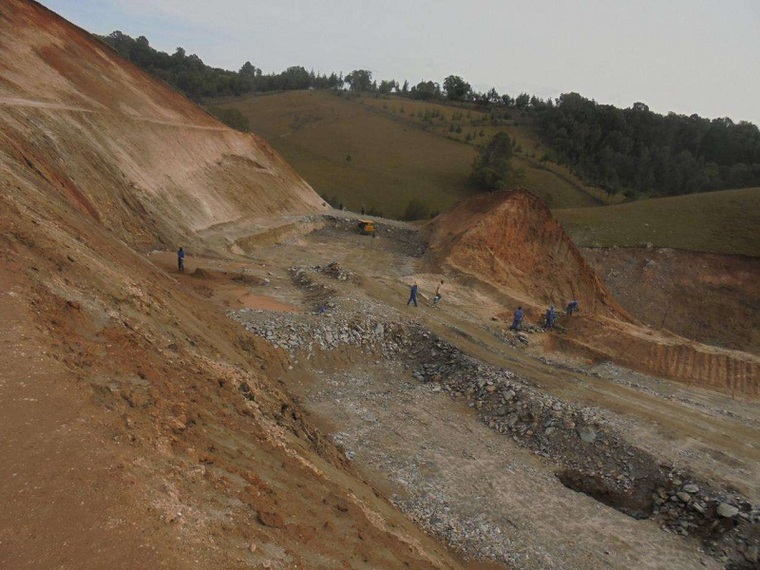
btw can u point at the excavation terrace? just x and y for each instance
(493, 441)
(281, 404)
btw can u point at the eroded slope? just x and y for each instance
(141, 427)
(511, 239)
(121, 146)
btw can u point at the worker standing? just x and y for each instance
(413, 295)
(438, 293)
(517, 321)
(551, 316)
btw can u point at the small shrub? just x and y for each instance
(415, 210)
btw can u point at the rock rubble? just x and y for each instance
(591, 455)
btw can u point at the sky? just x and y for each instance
(684, 56)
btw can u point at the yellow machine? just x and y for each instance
(366, 227)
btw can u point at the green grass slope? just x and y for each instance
(379, 153)
(720, 222)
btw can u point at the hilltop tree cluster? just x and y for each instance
(196, 80)
(640, 152)
(491, 169)
(635, 151)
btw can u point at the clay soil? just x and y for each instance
(142, 427)
(712, 298)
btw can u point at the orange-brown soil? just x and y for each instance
(711, 298)
(142, 428)
(511, 241)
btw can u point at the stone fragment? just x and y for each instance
(271, 519)
(683, 497)
(587, 435)
(727, 511)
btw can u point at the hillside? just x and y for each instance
(382, 152)
(632, 152)
(112, 140)
(142, 428)
(711, 298)
(280, 404)
(717, 222)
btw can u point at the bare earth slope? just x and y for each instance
(510, 240)
(708, 297)
(140, 428)
(121, 146)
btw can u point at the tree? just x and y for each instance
(491, 169)
(247, 70)
(387, 87)
(426, 90)
(522, 101)
(359, 80)
(456, 88)
(415, 210)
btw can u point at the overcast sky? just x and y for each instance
(686, 56)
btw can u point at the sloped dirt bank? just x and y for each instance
(714, 299)
(511, 239)
(667, 355)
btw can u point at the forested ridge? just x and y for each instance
(634, 151)
(640, 152)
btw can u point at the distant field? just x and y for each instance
(720, 222)
(367, 153)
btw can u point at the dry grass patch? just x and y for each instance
(380, 153)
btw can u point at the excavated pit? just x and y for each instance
(636, 502)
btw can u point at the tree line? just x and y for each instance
(634, 151)
(642, 153)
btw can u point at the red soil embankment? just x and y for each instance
(141, 427)
(511, 240)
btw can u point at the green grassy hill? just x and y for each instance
(379, 153)
(720, 222)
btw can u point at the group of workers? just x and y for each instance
(549, 318)
(415, 290)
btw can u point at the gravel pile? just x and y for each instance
(326, 331)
